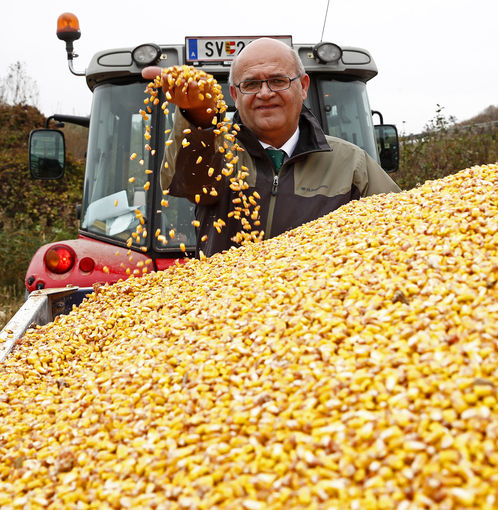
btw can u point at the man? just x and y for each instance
(319, 173)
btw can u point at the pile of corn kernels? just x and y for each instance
(349, 363)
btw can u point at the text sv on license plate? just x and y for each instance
(213, 49)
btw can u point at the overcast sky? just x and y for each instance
(428, 52)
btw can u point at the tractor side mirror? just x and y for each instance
(388, 146)
(47, 154)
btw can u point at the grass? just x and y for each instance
(11, 299)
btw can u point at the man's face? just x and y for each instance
(272, 116)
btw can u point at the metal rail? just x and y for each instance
(41, 307)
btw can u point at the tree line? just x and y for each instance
(17, 87)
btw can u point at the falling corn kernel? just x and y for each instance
(172, 233)
(133, 156)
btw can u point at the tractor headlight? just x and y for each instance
(146, 54)
(327, 52)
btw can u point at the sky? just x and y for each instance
(428, 53)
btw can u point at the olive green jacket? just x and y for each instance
(322, 174)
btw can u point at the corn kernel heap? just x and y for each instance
(349, 363)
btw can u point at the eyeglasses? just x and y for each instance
(274, 84)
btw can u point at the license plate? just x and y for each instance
(216, 49)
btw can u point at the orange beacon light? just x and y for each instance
(68, 27)
(68, 30)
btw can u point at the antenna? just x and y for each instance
(325, 20)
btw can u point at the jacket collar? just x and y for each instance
(311, 136)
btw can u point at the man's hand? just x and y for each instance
(193, 91)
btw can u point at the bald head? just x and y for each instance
(262, 50)
(271, 115)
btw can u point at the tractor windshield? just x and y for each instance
(346, 112)
(122, 196)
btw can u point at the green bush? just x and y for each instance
(445, 148)
(32, 212)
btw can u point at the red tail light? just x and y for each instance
(86, 264)
(59, 259)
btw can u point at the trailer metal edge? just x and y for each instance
(41, 307)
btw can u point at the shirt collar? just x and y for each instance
(288, 147)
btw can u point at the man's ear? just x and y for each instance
(233, 93)
(305, 84)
